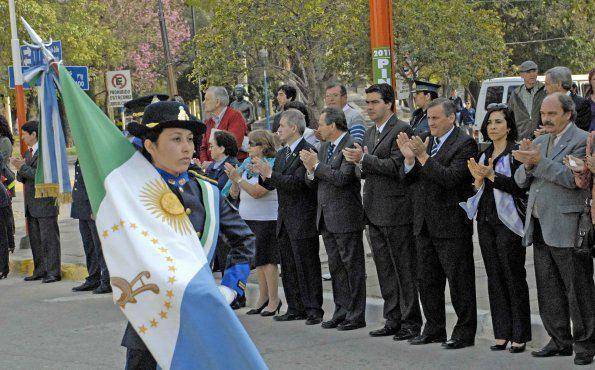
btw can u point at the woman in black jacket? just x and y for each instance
(500, 204)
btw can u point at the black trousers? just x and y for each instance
(6, 237)
(348, 273)
(565, 291)
(504, 259)
(137, 359)
(301, 274)
(440, 259)
(96, 266)
(393, 250)
(44, 236)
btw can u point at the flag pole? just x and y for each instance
(18, 74)
(171, 77)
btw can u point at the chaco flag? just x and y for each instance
(159, 273)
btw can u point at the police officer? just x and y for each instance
(161, 126)
(424, 93)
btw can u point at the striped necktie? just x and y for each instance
(435, 147)
(287, 153)
(329, 154)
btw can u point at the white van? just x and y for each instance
(497, 90)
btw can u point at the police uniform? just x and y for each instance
(419, 118)
(187, 187)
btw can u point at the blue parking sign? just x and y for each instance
(31, 57)
(80, 74)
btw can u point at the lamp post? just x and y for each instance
(198, 75)
(263, 54)
(173, 88)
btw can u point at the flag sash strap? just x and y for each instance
(210, 233)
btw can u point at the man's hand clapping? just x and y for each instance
(309, 158)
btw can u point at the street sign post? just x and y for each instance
(80, 74)
(119, 87)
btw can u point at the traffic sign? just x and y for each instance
(119, 87)
(80, 75)
(34, 57)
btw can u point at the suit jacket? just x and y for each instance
(218, 174)
(440, 185)
(552, 190)
(297, 200)
(339, 190)
(81, 207)
(386, 200)
(34, 207)
(583, 112)
(233, 122)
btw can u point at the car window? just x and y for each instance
(493, 95)
(509, 91)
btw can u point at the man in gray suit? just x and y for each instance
(340, 219)
(41, 213)
(565, 289)
(336, 97)
(389, 213)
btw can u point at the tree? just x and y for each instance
(310, 43)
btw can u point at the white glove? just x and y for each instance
(228, 293)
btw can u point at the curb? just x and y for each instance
(374, 306)
(70, 271)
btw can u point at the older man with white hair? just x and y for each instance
(222, 118)
(559, 79)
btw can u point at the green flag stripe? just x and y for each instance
(100, 145)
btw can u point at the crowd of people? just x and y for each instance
(417, 186)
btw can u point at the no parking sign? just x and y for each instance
(119, 87)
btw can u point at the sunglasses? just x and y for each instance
(252, 143)
(497, 106)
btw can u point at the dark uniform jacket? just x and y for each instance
(297, 201)
(386, 197)
(419, 122)
(339, 190)
(583, 112)
(81, 207)
(34, 207)
(231, 225)
(440, 185)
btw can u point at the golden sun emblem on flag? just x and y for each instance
(164, 204)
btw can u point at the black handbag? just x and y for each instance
(585, 237)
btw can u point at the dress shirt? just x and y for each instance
(34, 148)
(293, 145)
(217, 118)
(336, 144)
(379, 130)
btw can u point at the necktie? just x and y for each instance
(287, 153)
(329, 154)
(551, 144)
(378, 132)
(435, 147)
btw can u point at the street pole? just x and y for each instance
(264, 56)
(18, 74)
(197, 73)
(171, 77)
(382, 43)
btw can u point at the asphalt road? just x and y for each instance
(46, 326)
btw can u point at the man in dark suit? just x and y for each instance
(41, 213)
(437, 167)
(388, 213)
(339, 219)
(297, 236)
(559, 79)
(98, 279)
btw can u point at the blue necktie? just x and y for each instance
(329, 154)
(435, 147)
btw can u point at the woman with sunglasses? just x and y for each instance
(258, 207)
(499, 208)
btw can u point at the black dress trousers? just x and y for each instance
(96, 266)
(44, 236)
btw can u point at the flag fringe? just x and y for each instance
(52, 191)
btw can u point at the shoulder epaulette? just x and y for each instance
(202, 177)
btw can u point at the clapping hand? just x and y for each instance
(574, 163)
(404, 144)
(529, 154)
(480, 171)
(355, 155)
(232, 172)
(263, 168)
(539, 131)
(309, 158)
(590, 162)
(17, 162)
(420, 148)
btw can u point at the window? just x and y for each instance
(493, 95)
(509, 91)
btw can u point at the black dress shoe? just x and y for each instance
(332, 323)
(33, 277)
(102, 289)
(517, 349)
(350, 325)
(258, 310)
(85, 287)
(51, 279)
(583, 358)
(272, 313)
(457, 343)
(313, 320)
(405, 334)
(290, 317)
(385, 331)
(427, 339)
(499, 347)
(549, 351)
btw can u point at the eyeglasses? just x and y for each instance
(252, 143)
(497, 106)
(333, 95)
